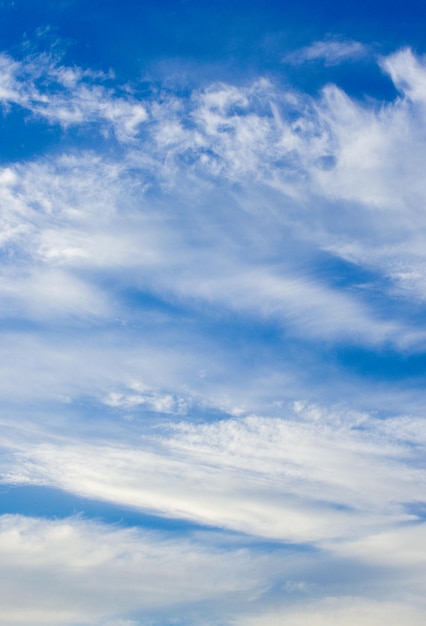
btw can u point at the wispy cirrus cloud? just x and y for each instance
(317, 482)
(80, 230)
(164, 303)
(63, 215)
(76, 570)
(408, 73)
(68, 96)
(329, 51)
(307, 478)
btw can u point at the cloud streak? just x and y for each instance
(330, 51)
(181, 282)
(316, 476)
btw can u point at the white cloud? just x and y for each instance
(335, 480)
(154, 401)
(408, 74)
(397, 547)
(78, 571)
(332, 151)
(331, 51)
(222, 209)
(70, 214)
(74, 571)
(346, 611)
(67, 96)
(315, 477)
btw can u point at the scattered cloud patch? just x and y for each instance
(408, 74)
(329, 51)
(67, 96)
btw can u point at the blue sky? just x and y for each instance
(213, 344)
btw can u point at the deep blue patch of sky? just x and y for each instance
(247, 36)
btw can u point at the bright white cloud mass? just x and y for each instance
(212, 357)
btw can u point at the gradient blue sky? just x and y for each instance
(213, 279)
